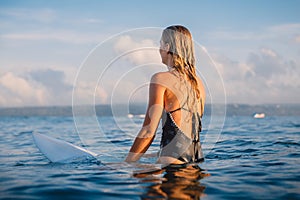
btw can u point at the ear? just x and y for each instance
(167, 47)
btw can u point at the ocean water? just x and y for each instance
(250, 159)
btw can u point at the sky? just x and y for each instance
(54, 52)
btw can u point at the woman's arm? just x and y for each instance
(202, 96)
(151, 121)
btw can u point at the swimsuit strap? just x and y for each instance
(200, 116)
(180, 108)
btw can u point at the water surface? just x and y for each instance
(252, 159)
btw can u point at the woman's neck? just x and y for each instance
(170, 68)
(170, 63)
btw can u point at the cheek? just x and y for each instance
(160, 51)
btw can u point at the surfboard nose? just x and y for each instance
(58, 150)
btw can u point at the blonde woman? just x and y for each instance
(177, 97)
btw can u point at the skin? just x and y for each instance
(162, 96)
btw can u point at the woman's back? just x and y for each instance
(180, 97)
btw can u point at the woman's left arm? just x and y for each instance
(151, 121)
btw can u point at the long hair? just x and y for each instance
(181, 45)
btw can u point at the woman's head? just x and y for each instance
(177, 46)
(178, 42)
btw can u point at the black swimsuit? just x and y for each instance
(176, 144)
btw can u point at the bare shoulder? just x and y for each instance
(160, 77)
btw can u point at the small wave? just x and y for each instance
(222, 156)
(268, 164)
(249, 150)
(294, 155)
(293, 125)
(25, 132)
(236, 142)
(287, 143)
(19, 164)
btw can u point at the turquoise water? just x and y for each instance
(252, 159)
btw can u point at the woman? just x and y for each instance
(177, 96)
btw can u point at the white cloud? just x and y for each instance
(53, 80)
(269, 52)
(44, 15)
(85, 93)
(35, 88)
(265, 33)
(44, 24)
(130, 64)
(93, 21)
(17, 91)
(66, 36)
(285, 28)
(139, 52)
(265, 77)
(111, 91)
(234, 35)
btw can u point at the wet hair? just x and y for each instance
(181, 45)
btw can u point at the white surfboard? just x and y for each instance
(58, 150)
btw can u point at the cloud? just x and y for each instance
(285, 28)
(264, 33)
(53, 80)
(266, 63)
(297, 39)
(139, 52)
(268, 52)
(34, 88)
(17, 91)
(44, 15)
(66, 36)
(112, 90)
(46, 24)
(92, 21)
(119, 67)
(265, 77)
(85, 93)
